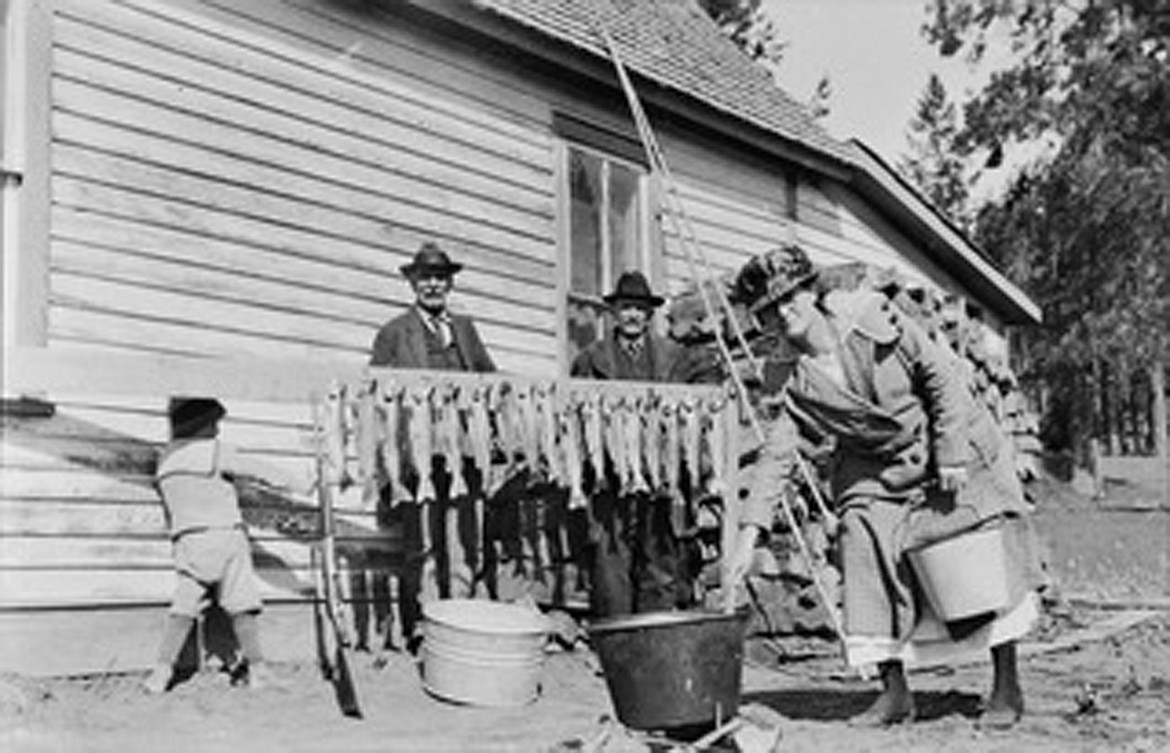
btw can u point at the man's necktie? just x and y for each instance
(441, 326)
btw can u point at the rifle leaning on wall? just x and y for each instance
(335, 642)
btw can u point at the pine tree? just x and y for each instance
(747, 24)
(1085, 228)
(935, 164)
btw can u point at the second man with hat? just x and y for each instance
(637, 563)
(630, 350)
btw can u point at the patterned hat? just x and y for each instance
(768, 277)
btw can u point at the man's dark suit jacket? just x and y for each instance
(666, 361)
(402, 343)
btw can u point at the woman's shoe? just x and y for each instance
(1001, 715)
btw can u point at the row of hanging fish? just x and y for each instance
(385, 437)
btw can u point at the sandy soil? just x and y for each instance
(1096, 680)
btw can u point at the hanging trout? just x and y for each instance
(390, 447)
(448, 430)
(449, 433)
(528, 424)
(333, 432)
(632, 429)
(479, 432)
(421, 451)
(368, 436)
(500, 405)
(652, 442)
(692, 435)
(420, 430)
(479, 435)
(717, 446)
(571, 455)
(672, 466)
(593, 433)
(613, 423)
(544, 400)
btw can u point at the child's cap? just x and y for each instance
(189, 415)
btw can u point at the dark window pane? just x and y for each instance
(585, 198)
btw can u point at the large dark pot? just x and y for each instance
(672, 670)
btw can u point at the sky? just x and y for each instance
(877, 61)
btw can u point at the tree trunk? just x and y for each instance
(1161, 428)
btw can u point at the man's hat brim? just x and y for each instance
(430, 258)
(650, 301)
(447, 270)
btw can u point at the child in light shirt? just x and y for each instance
(212, 553)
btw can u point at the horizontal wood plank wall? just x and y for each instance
(232, 181)
(84, 543)
(736, 207)
(80, 517)
(247, 178)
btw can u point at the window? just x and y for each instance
(607, 235)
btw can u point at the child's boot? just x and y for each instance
(261, 676)
(158, 680)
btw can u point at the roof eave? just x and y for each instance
(902, 203)
(594, 63)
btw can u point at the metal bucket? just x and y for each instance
(672, 670)
(964, 575)
(482, 653)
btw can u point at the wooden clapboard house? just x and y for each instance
(209, 196)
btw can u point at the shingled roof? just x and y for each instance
(675, 44)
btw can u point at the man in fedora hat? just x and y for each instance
(428, 335)
(636, 562)
(630, 350)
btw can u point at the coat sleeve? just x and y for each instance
(771, 472)
(383, 350)
(941, 386)
(696, 364)
(580, 366)
(589, 362)
(478, 359)
(475, 353)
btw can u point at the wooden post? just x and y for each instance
(1161, 429)
(731, 503)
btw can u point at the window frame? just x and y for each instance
(609, 146)
(25, 160)
(646, 252)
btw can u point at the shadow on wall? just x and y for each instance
(73, 480)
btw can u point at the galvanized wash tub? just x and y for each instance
(483, 653)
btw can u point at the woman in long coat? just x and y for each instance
(916, 460)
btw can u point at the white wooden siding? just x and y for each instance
(239, 149)
(232, 179)
(235, 177)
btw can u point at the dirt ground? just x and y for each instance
(1096, 676)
